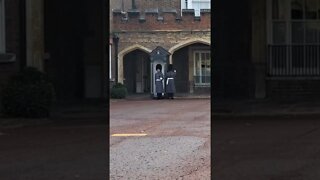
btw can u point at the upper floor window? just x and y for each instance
(2, 27)
(196, 5)
(294, 22)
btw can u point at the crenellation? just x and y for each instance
(161, 19)
(152, 11)
(187, 11)
(132, 13)
(205, 10)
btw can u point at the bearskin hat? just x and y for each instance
(159, 67)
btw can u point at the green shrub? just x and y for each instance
(118, 91)
(28, 94)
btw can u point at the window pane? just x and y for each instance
(297, 32)
(279, 32)
(203, 66)
(278, 9)
(198, 65)
(203, 56)
(311, 9)
(207, 55)
(205, 5)
(208, 63)
(296, 9)
(312, 32)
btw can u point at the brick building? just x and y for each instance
(143, 25)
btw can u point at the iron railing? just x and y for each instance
(293, 60)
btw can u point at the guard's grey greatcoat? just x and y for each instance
(159, 82)
(170, 86)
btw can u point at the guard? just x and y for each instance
(170, 86)
(159, 81)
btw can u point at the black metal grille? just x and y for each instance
(293, 60)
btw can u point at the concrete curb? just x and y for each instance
(297, 115)
(140, 99)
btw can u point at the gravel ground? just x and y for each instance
(177, 145)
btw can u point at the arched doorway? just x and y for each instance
(193, 64)
(136, 71)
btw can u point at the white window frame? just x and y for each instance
(288, 24)
(110, 61)
(195, 66)
(191, 4)
(2, 27)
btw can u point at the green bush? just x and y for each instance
(118, 91)
(28, 94)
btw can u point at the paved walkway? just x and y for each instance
(265, 108)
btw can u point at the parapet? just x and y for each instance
(161, 19)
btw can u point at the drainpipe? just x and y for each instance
(116, 41)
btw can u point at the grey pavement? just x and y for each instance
(266, 149)
(53, 152)
(266, 139)
(177, 144)
(271, 108)
(69, 145)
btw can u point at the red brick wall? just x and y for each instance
(146, 4)
(187, 22)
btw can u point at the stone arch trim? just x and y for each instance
(186, 43)
(123, 53)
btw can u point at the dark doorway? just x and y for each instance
(137, 72)
(74, 43)
(180, 63)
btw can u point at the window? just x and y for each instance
(200, 4)
(196, 5)
(294, 37)
(202, 64)
(2, 27)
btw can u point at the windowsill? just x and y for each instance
(7, 58)
(202, 85)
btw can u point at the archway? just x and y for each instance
(192, 60)
(121, 57)
(136, 71)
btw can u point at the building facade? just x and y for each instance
(67, 43)
(144, 26)
(266, 49)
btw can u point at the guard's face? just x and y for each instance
(158, 70)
